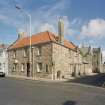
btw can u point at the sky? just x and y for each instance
(84, 20)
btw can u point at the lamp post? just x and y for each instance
(29, 16)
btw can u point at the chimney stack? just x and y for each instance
(21, 35)
(61, 30)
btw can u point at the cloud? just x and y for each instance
(47, 27)
(9, 15)
(43, 18)
(94, 28)
(2, 17)
(46, 17)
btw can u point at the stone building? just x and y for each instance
(103, 67)
(3, 59)
(86, 54)
(50, 57)
(97, 60)
(44, 55)
(91, 59)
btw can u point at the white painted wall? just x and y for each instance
(4, 61)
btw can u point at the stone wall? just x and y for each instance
(56, 61)
(44, 58)
(18, 60)
(65, 60)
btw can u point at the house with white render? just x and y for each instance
(3, 59)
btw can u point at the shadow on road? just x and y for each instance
(69, 103)
(94, 80)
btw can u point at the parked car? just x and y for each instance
(2, 74)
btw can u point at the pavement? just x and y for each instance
(14, 91)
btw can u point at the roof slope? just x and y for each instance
(40, 38)
(3, 46)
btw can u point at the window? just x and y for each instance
(39, 67)
(70, 53)
(71, 68)
(47, 68)
(0, 66)
(38, 50)
(1, 53)
(14, 66)
(14, 54)
(4, 65)
(22, 67)
(25, 52)
(76, 54)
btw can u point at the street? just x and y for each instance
(27, 92)
(94, 80)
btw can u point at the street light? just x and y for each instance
(29, 16)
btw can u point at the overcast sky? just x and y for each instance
(84, 19)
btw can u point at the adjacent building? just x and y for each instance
(3, 59)
(92, 59)
(86, 53)
(97, 60)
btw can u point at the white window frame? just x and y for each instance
(25, 52)
(38, 50)
(22, 67)
(39, 69)
(0, 66)
(14, 54)
(14, 67)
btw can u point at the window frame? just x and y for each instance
(14, 67)
(14, 54)
(22, 67)
(47, 68)
(39, 51)
(25, 52)
(39, 67)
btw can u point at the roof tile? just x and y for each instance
(40, 38)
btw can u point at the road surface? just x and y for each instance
(27, 92)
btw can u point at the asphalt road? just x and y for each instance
(27, 92)
(94, 80)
